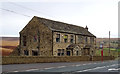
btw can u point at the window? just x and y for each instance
(24, 40)
(65, 38)
(60, 52)
(58, 38)
(71, 40)
(26, 52)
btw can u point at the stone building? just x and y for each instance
(44, 37)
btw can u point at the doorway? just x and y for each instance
(68, 53)
(35, 53)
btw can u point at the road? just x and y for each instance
(73, 67)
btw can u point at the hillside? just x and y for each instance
(106, 39)
(8, 44)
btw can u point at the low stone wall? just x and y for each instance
(99, 58)
(42, 59)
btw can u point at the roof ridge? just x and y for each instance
(58, 21)
(64, 27)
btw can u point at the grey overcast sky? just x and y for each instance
(101, 16)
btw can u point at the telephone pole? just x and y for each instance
(109, 43)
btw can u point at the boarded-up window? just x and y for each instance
(66, 38)
(24, 40)
(57, 37)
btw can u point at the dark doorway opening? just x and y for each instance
(77, 53)
(68, 53)
(35, 53)
(26, 52)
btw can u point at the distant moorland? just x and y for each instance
(8, 44)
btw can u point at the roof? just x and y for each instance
(71, 46)
(64, 27)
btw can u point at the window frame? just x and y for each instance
(57, 38)
(72, 39)
(60, 52)
(65, 38)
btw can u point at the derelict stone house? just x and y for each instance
(44, 37)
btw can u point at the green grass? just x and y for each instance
(118, 50)
(113, 52)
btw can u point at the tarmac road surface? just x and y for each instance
(112, 66)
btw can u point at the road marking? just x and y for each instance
(91, 69)
(31, 69)
(15, 71)
(84, 64)
(96, 68)
(77, 65)
(61, 66)
(113, 69)
(49, 68)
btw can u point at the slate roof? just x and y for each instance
(71, 46)
(64, 27)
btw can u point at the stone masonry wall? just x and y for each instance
(43, 44)
(63, 45)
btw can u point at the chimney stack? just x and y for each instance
(86, 28)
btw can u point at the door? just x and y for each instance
(68, 53)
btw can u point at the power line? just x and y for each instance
(15, 12)
(30, 9)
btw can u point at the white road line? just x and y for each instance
(31, 69)
(49, 68)
(91, 69)
(15, 71)
(78, 65)
(113, 69)
(52, 68)
(60, 66)
(96, 68)
(84, 64)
